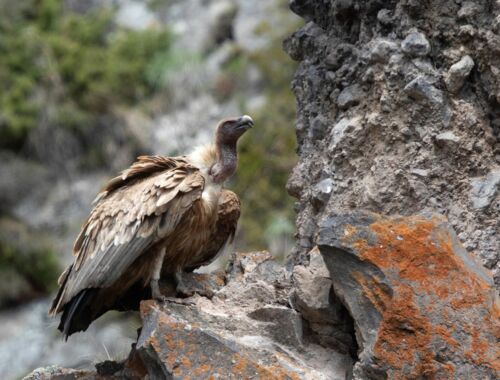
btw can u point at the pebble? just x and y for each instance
(416, 44)
(421, 88)
(458, 73)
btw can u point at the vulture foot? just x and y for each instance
(178, 301)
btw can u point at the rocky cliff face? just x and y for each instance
(398, 114)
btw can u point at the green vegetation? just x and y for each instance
(28, 265)
(267, 152)
(70, 68)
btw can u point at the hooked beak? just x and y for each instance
(245, 122)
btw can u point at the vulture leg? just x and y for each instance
(155, 287)
(181, 286)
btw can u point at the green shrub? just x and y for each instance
(28, 260)
(79, 66)
(268, 151)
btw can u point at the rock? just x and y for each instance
(319, 126)
(313, 296)
(312, 288)
(344, 128)
(19, 177)
(468, 10)
(458, 73)
(421, 88)
(28, 264)
(109, 336)
(322, 192)
(135, 15)
(375, 157)
(381, 50)
(420, 172)
(384, 17)
(342, 52)
(55, 372)
(247, 329)
(422, 306)
(350, 96)
(202, 283)
(447, 139)
(222, 14)
(484, 190)
(416, 45)
(170, 346)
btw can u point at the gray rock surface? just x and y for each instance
(484, 190)
(349, 96)
(245, 329)
(415, 44)
(380, 298)
(458, 73)
(421, 88)
(421, 304)
(424, 136)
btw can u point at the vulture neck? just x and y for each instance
(226, 161)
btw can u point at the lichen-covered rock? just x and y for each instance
(421, 131)
(242, 329)
(423, 308)
(55, 372)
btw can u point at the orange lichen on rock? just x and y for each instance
(373, 290)
(179, 346)
(429, 280)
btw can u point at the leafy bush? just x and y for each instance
(27, 263)
(70, 68)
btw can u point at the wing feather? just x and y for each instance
(134, 211)
(225, 229)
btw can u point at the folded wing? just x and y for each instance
(133, 212)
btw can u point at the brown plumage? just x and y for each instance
(161, 216)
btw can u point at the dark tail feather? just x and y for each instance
(76, 315)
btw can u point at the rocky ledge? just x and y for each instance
(379, 298)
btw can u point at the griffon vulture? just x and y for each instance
(161, 216)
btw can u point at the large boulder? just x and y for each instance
(422, 306)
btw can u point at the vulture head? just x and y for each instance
(231, 129)
(228, 132)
